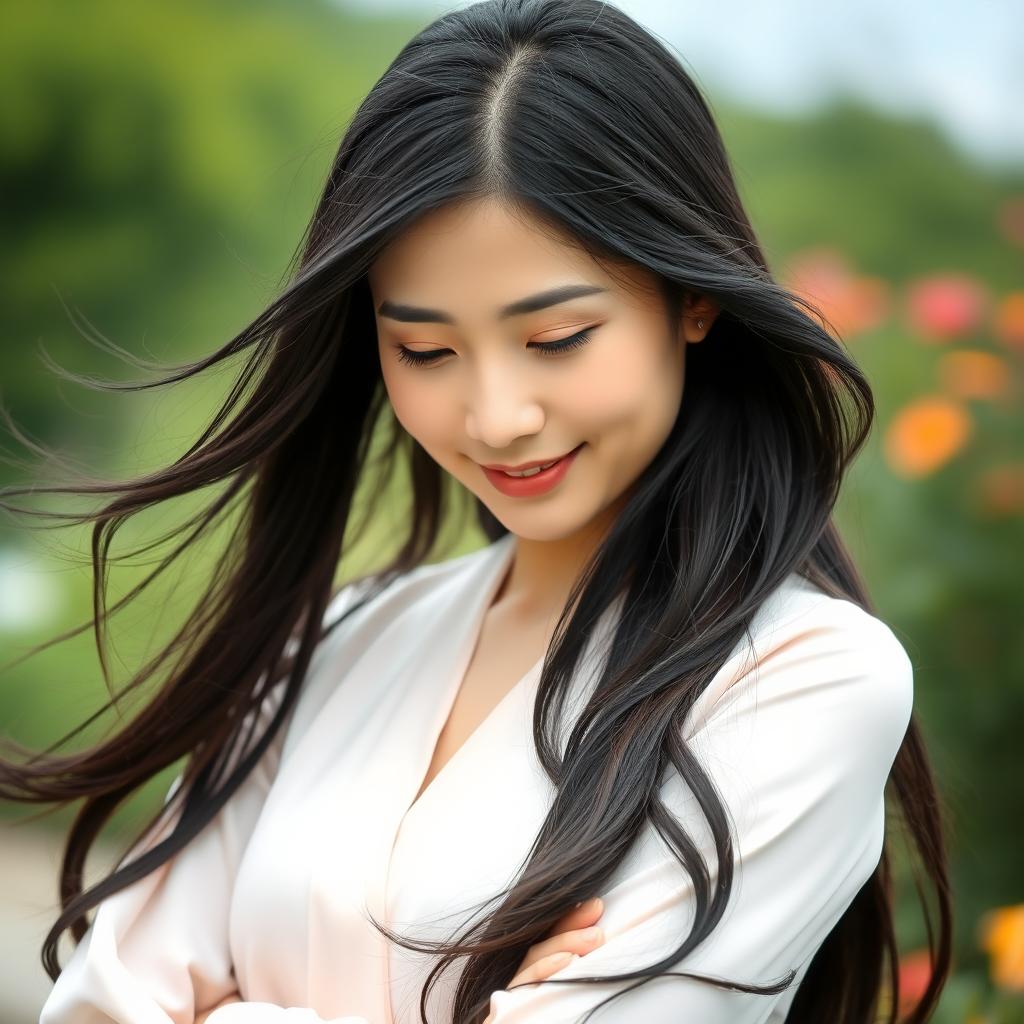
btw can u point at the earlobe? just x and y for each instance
(699, 317)
(694, 329)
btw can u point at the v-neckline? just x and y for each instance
(490, 585)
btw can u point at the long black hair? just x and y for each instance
(572, 114)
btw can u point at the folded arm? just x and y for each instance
(800, 749)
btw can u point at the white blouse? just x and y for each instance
(798, 734)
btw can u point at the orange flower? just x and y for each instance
(915, 974)
(1002, 489)
(851, 302)
(946, 306)
(1001, 935)
(925, 434)
(973, 374)
(1008, 322)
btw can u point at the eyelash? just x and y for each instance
(548, 348)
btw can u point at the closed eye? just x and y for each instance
(547, 348)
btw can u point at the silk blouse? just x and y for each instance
(798, 730)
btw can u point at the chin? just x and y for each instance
(540, 527)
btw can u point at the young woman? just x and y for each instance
(661, 683)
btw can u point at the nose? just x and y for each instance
(501, 407)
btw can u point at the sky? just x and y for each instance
(960, 64)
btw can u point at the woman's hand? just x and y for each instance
(572, 933)
(234, 997)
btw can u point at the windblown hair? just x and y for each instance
(570, 114)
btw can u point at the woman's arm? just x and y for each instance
(567, 937)
(157, 951)
(800, 749)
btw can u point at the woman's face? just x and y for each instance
(469, 292)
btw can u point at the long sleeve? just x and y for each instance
(157, 951)
(799, 747)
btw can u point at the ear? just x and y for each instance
(699, 313)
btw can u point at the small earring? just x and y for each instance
(700, 325)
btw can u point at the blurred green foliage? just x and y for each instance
(159, 163)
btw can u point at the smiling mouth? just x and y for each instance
(533, 470)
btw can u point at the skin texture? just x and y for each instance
(491, 398)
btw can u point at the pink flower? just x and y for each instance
(946, 306)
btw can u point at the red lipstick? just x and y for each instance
(538, 483)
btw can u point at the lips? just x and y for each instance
(537, 463)
(532, 469)
(535, 483)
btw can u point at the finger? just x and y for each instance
(557, 937)
(543, 968)
(565, 933)
(579, 940)
(579, 917)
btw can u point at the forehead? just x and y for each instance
(480, 250)
(471, 234)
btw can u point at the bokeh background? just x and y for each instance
(158, 163)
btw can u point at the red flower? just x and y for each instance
(946, 306)
(915, 973)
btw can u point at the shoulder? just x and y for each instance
(799, 612)
(824, 656)
(368, 613)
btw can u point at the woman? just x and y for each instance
(661, 683)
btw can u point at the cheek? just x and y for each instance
(635, 385)
(414, 406)
(418, 407)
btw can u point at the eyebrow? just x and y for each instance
(529, 304)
